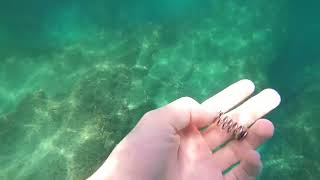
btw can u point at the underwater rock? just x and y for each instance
(94, 117)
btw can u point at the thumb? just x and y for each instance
(178, 114)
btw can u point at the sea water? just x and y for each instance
(76, 76)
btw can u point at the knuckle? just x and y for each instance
(187, 99)
(149, 114)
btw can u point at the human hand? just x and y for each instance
(167, 143)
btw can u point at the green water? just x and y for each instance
(75, 76)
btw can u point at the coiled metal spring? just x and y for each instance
(225, 122)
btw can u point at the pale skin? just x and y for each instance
(167, 143)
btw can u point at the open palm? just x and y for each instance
(167, 143)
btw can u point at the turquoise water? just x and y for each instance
(75, 76)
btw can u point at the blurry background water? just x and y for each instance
(75, 76)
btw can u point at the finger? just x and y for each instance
(256, 107)
(246, 114)
(249, 167)
(177, 115)
(229, 97)
(231, 153)
(224, 101)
